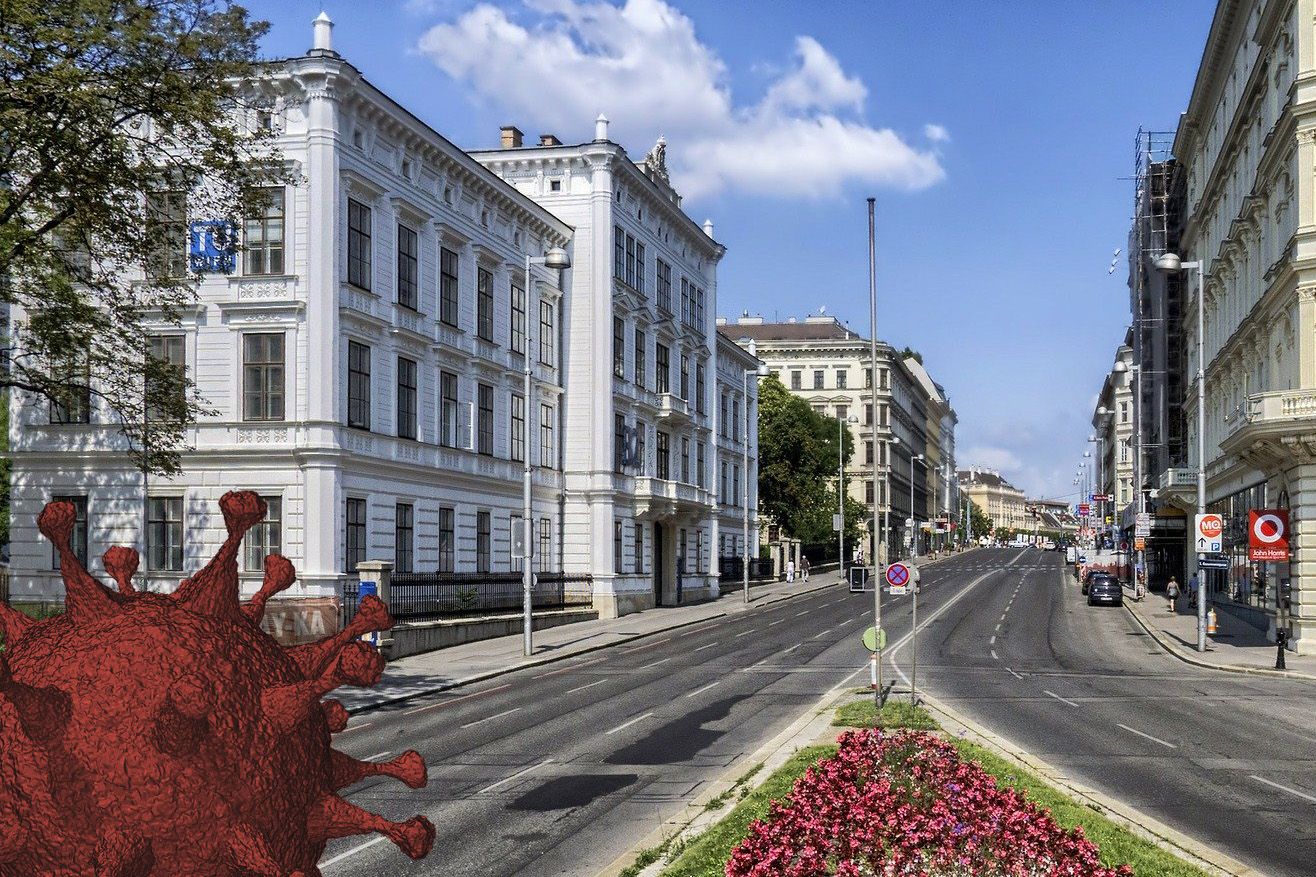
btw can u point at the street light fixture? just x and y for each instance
(1170, 263)
(557, 259)
(761, 372)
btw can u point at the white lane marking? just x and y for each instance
(1012, 673)
(994, 658)
(792, 648)
(994, 640)
(1058, 697)
(421, 709)
(647, 645)
(623, 726)
(1002, 616)
(937, 613)
(656, 663)
(515, 709)
(823, 633)
(699, 691)
(844, 623)
(378, 755)
(802, 614)
(583, 687)
(527, 770)
(356, 728)
(1148, 736)
(746, 633)
(353, 851)
(709, 646)
(1274, 785)
(567, 669)
(778, 621)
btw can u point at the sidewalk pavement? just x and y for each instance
(442, 669)
(1237, 646)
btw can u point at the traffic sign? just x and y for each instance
(874, 641)
(1268, 535)
(1212, 561)
(1142, 527)
(1207, 537)
(897, 576)
(1084, 510)
(1101, 497)
(1139, 544)
(836, 523)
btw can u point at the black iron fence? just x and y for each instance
(423, 596)
(732, 569)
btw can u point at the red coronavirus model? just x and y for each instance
(167, 734)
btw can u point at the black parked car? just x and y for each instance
(1104, 588)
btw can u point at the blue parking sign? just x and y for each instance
(212, 247)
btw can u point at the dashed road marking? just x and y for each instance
(378, 755)
(699, 691)
(583, 687)
(1012, 673)
(624, 725)
(709, 646)
(519, 773)
(1148, 736)
(1058, 697)
(745, 633)
(353, 851)
(1275, 785)
(421, 709)
(516, 709)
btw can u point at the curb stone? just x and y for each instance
(1188, 658)
(1199, 854)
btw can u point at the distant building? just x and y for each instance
(1004, 503)
(1115, 430)
(825, 363)
(940, 453)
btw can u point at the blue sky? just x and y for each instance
(996, 137)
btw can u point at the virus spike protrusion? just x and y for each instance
(13, 624)
(121, 563)
(213, 590)
(333, 817)
(85, 599)
(279, 576)
(371, 615)
(360, 663)
(43, 713)
(123, 854)
(408, 768)
(335, 715)
(251, 854)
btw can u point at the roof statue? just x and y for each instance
(655, 163)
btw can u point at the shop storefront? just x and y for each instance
(1250, 589)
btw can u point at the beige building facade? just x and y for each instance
(1004, 503)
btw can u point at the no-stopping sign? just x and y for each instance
(1268, 535)
(897, 576)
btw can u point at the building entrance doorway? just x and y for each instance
(659, 555)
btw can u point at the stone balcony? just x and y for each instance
(1178, 487)
(657, 498)
(1278, 428)
(673, 408)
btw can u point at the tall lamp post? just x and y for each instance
(1170, 263)
(840, 488)
(556, 258)
(759, 372)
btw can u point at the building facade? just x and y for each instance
(1114, 429)
(825, 363)
(940, 453)
(1004, 503)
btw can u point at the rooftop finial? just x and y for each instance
(601, 128)
(323, 28)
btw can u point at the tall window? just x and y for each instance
(167, 399)
(627, 259)
(404, 535)
(619, 347)
(616, 546)
(638, 529)
(408, 271)
(664, 456)
(868, 452)
(518, 319)
(518, 427)
(685, 301)
(262, 376)
(641, 353)
(406, 397)
(164, 533)
(735, 420)
(358, 244)
(842, 412)
(358, 385)
(685, 376)
(619, 252)
(795, 380)
(700, 469)
(663, 279)
(167, 215)
(447, 540)
(265, 538)
(484, 316)
(641, 451)
(699, 388)
(818, 379)
(484, 426)
(545, 545)
(619, 443)
(483, 536)
(546, 332)
(262, 236)
(841, 377)
(355, 535)
(449, 300)
(78, 542)
(74, 402)
(735, 485)
(724, 420)
(546, 437)
(662, 369)
(685, 460)
(448, 409)
(699, 309)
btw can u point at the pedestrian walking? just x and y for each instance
(804, 568)
(790, 571)
(1172, 592)
(1192, 591)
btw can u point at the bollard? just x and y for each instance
(1281, 636)
(1211, 621)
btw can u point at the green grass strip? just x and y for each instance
(706, 855)
(895, 714)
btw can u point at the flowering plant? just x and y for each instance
(906, 803)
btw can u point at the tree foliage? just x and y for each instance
(797, 466)
(106, 106)
(982, 524)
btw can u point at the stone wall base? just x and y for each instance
(427, 636)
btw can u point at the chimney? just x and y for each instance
(549, 140)
(511, 137)
(323, 30)
(601, 128)
(708, 227)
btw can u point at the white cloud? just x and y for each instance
(936, 133)
(643, 65)
(987, 457)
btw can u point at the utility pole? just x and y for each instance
(880, 694)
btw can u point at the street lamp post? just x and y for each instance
(556, 258)
(759, 372)
(1170, 263)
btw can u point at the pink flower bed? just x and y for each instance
(906, 803)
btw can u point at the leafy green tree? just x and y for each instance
(5, 468)
(797, 466)
(119, 119)
(982, 524)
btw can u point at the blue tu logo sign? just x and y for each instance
(212, 247)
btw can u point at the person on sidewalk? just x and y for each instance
(1172, 592)
(1192, 591)
(790, 571)
(804, 568)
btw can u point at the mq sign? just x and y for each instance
(1207, 534)
(1268, 535)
